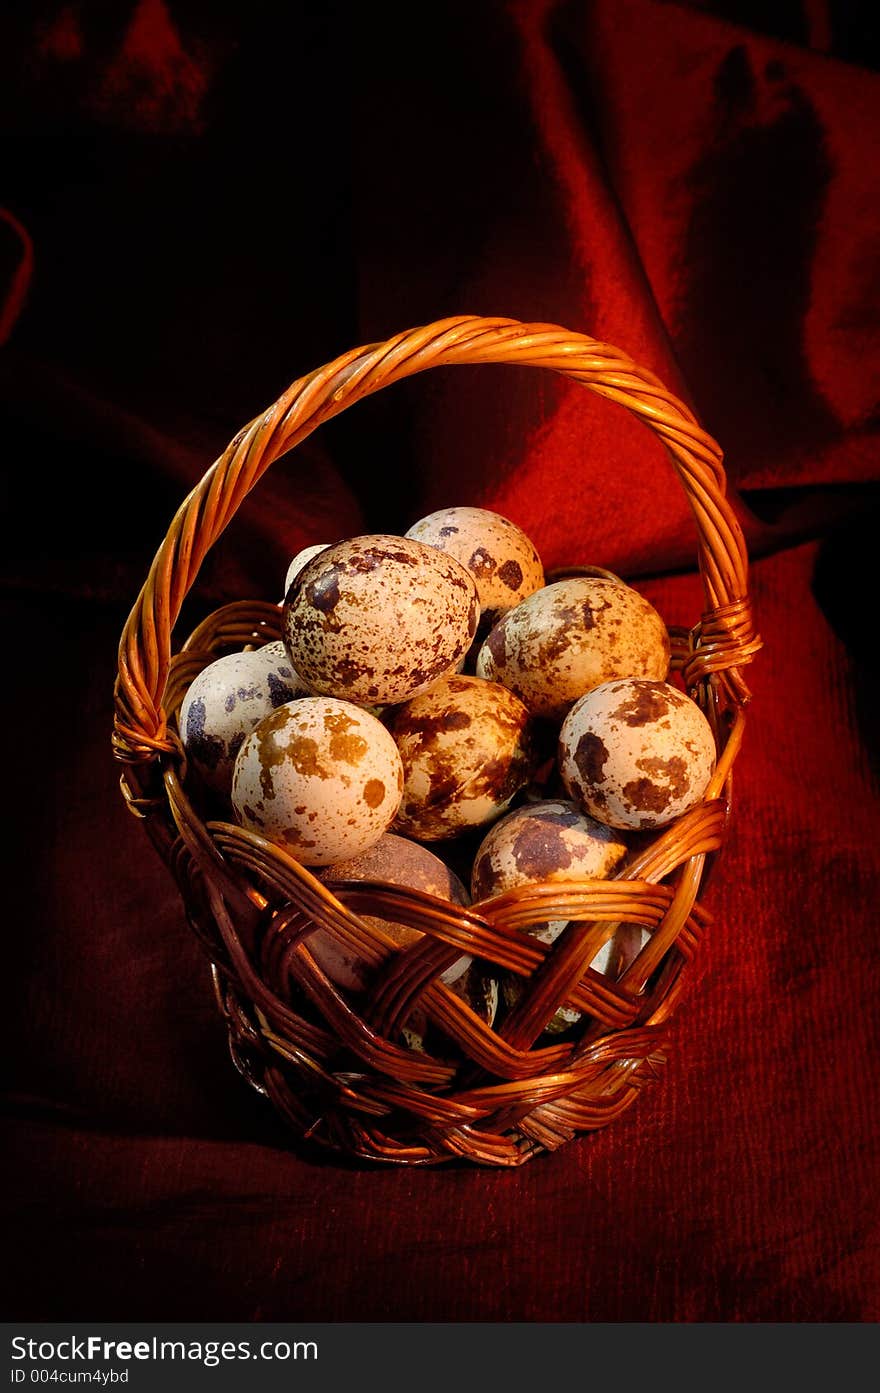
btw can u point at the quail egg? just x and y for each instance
(548, 842)
(319, 777)
(226, 701)
(467, 747)
(377, 619)
(498, 554)
(569, 637)
(398, 861)
(636, 753)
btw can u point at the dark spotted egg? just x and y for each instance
(554, 841)
(551, 840)
(227, 700)
(636, 753)
(377, 619)
(571, 636)
(467, 747)
(321, 778)
(502, 560)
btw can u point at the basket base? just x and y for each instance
(357, 1126)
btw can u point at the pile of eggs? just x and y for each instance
(433, 688)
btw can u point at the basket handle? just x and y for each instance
(726, 638)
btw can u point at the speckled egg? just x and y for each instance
(227, 700)
(503, 562)
(467, 747)
(301, 559)
(377, 619)
(400, 862)
(636, 753)
(548, 841)
(319, 777)
(571, 636)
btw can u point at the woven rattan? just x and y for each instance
(337, 1070)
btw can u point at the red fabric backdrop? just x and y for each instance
(203, 202)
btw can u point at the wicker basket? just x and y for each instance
(337, 1069)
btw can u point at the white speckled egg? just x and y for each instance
(321, 778)
(636, 753)
(550, 841)
(301, 559)
(503, 562)
(571, 636)
(400, 862)
(227, 700)
(376, 619)
(467, 747)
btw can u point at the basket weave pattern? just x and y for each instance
(335, 1069)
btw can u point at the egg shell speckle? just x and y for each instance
(227, 701)
(502, 560)
(549, 841)
(467, 747)
(571, 636)
(636, 753)
(377, 619)
(400, 862)
(319, 777)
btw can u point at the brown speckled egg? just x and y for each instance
(321, 778)
(571, 636)
(400, 862)
(377, 619)
(549, 841)
(467, 748)
(636, 753)
(226, 701)
(301, 559)
(498, 554)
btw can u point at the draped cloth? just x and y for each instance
(202, 203)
